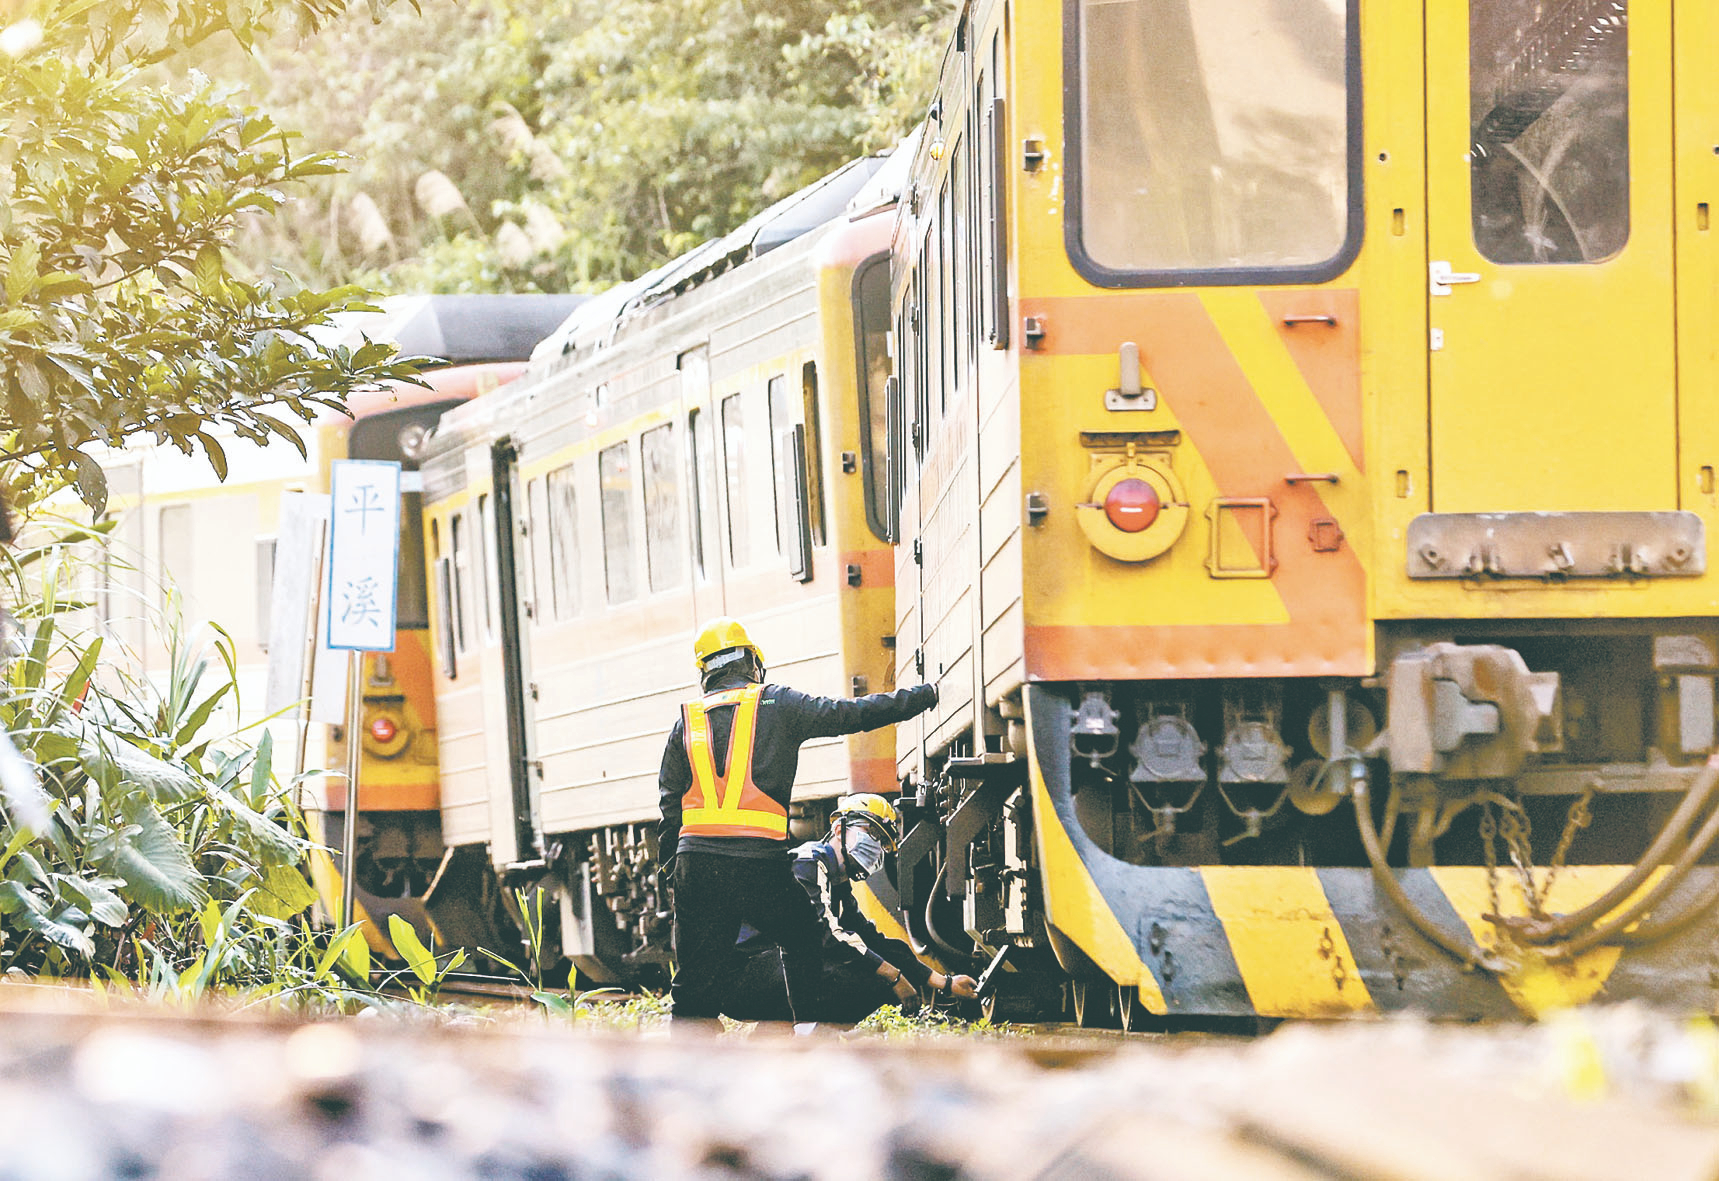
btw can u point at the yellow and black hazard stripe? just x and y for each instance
(1293, 941)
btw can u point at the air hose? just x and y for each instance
(1673, 878)
(1543, 931)
(956, 955)
(1387, 881)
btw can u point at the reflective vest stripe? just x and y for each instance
(729, 804)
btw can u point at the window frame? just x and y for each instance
(1104, 276)
(732, 442)
(628, 565)
(876, 499)
(669, 546)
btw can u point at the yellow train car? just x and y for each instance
(1304, 432)
(707, 440)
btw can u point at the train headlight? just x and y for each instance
(1135, 509)
(1132, 504)
(385, 736)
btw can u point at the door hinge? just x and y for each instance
(919, 663)
(918, 552)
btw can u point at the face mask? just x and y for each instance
(864, 851)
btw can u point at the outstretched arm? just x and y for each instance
(830, 717)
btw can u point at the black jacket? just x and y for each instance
(786, 718)
(848, 936)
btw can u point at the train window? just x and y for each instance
(536, 562)
(1549, 107)
(781, 418)
(814, 449)
(483, 535)
(176, 553)
(413, 602)
(444, 602)
(615, 480)
(956, 256)
(734, 467)
(665, 555)
(923, 370)
(704, 509)
(563, 544)
(871, 328)
(993, 183)
(1220, 136)
(461, 560)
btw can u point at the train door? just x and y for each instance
(1549, 236)
(512, 590)
(702, 481)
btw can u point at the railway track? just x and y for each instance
(1602, 1095)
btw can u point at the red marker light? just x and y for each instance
(383, 730)
(1132, 505)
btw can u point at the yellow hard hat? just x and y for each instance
(722, 635)
(875, 812)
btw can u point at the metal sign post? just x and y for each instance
(360, 593)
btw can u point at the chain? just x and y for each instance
(1581, 815)
(1489, 834)
(1513, 826)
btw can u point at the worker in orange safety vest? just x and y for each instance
(727, 775)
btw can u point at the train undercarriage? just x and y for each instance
(1503, 821)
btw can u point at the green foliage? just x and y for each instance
(421, 961)
(567, 144)
(891, 1022)
(120, 192)
(141, 847)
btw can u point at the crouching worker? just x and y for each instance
(862, 969)
(727, 775)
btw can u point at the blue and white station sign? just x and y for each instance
(363, 554)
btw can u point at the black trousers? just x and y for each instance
(713, 896)
(848, 993)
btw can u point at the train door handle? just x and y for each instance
(1440, 278)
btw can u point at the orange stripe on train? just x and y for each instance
(1246, 454)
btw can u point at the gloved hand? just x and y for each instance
(932, 704)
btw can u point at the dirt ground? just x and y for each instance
(142, 1094)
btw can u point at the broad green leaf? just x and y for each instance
(284, 892)
(112, 754)
(103, 904)
(412, 949)
(355, 959)
(209, 920)
(152, 861)
(553, 1002)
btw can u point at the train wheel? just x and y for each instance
(1130, 1013)
(1092, 1004)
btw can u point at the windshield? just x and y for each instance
(1212, 134)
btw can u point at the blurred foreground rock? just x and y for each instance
(1613, 1094)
